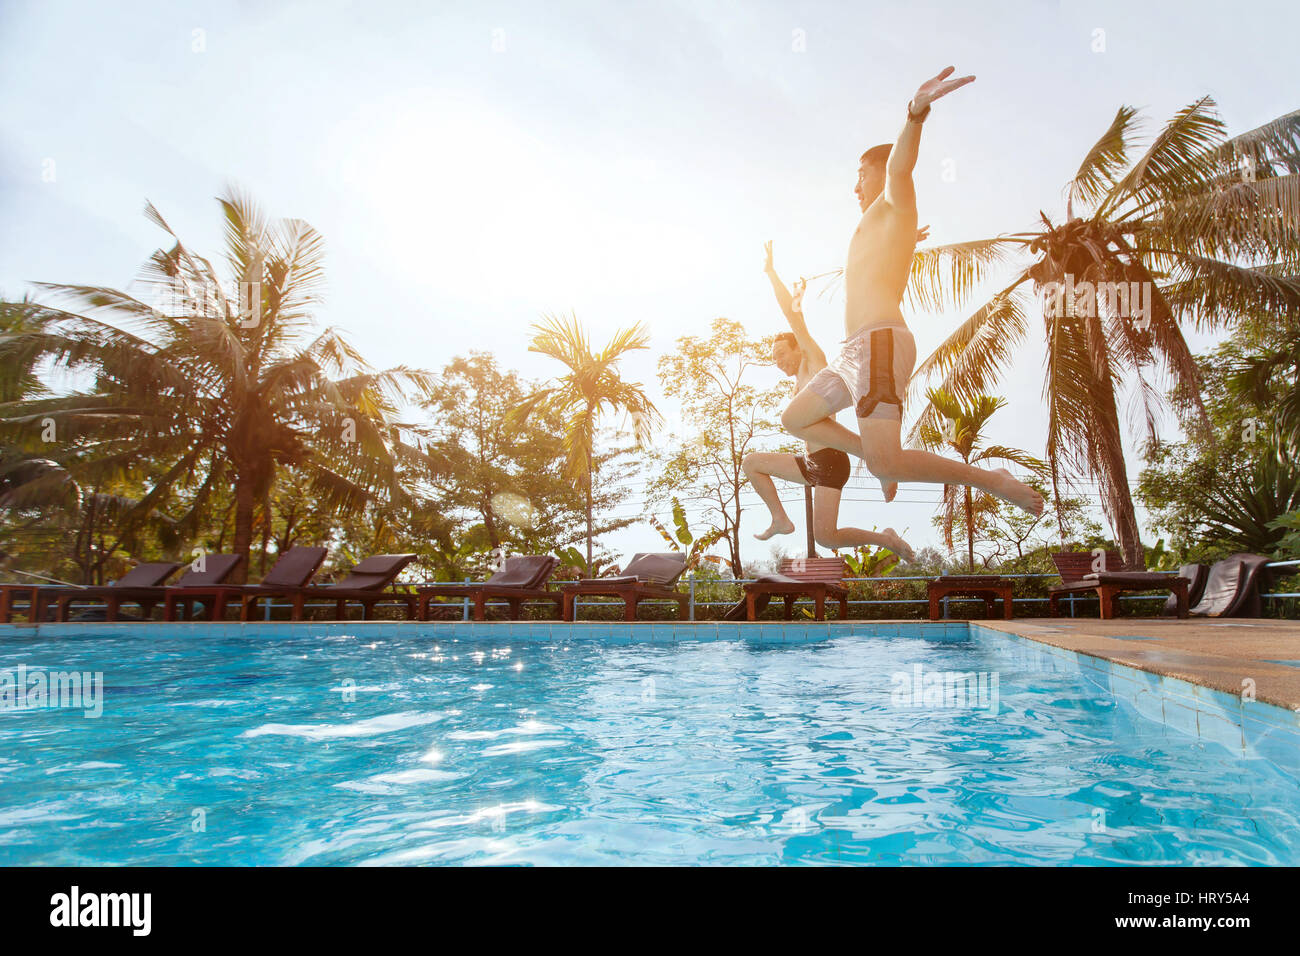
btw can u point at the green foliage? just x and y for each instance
(728, 416)
(961, 429)
(1288, 546)
(866, 562)
(1224, 487)
(694, 545)
(590, 388)
(504, 473)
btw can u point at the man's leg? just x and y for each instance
(826, 529)
(761, 468)
(883, 452)
(808, 417)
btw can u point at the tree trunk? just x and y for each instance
(1123, 519)
(970, 535)
(1116, 499)
(266, 537)
(243, 526)
(733, 539)
(590, 570)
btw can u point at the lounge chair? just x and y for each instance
(1232, 589)
(41, 599)
(647, 576)
(1196, 575)
(292, 570)
(523, 578)
(12, 595)
(991, 587)
(1078, 576)
(364, 585)
(216, 568)
(817, 578)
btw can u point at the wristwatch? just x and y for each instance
(917, 117)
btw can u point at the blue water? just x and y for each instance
(251, 750)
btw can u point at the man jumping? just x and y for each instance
(872, 370)
(826, 469)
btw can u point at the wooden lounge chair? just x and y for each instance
(216, 568)
(1077, 575)
(1232, 588)
(1196, 575)
(11, 595)
(647, 576)
(142, 580)
(292, 570)
(364, 585)
(817, 578)
(990, 587)
(523, 578)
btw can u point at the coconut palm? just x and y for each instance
(1209, 225)
(963, 421)
(208, 388)
(590, 387)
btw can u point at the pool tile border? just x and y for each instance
(1249, 728)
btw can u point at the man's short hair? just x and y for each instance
(877, 155)
(788, 338)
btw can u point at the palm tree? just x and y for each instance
(210, 389)
(964, 421)
(1208, 226)
(590, 387)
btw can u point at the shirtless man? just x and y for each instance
(826, 469)
(872, 370)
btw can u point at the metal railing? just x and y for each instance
(692, 581)
(1071, 599)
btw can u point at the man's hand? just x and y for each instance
(767, 249)
(796, 297)
(936, 88)
(922, 234)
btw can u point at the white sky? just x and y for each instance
(624, 161)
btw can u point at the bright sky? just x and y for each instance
(473, 166)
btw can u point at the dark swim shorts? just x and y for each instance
(827, 468)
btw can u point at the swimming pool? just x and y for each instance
(398, 744)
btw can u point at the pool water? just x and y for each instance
(415, 749)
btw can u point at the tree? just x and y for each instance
(504, 474)
(962, 431)
(590, 387)
(211, 388)
(1234, 475)
(1199, 228)
(49, 520)
(730, 417)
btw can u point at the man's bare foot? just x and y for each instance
(1019, 493)
(897, 545)
(890, 488)
(778, 526)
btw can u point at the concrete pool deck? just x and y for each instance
(1225, 655)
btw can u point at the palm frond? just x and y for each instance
(1106, 158)
(949, 274)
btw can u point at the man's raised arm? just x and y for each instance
(899, 190)
(793, 310)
